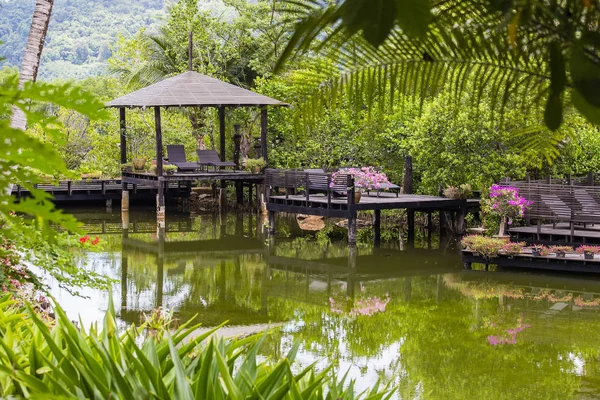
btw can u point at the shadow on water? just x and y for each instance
(411, 316)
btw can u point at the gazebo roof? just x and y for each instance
(192, 89)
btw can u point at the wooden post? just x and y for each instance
(159, 147)
(442, 223)
(351, 212)
(263, 134)
(376, 228)
(123, 134)
(239, 193)
(408, 176)
(160, 195)
(590, 178)
(125, 200)
(460, 220)
(250, 194)
(222, 132)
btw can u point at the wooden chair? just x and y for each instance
(176, 153)
(210, 158)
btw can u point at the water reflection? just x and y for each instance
(413, 317)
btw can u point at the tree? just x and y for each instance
(33, 53)
(547, 51)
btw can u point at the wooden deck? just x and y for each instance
(559, 233)
(571, 262)
(152, 179)
(101, 189)
(339, 207)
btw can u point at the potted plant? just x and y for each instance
(365, 179)
(588, 251)
(539, 250)
(468, 241)
(127, 167)
(487, 247)
(512, 249)
(255, 165)
(169, 169)
(463, 191)
(506, 203)
(139, 164)
(561, 251)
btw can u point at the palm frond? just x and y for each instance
(514, 51)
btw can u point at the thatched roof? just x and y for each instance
(192, 89)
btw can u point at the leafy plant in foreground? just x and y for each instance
(38, 359)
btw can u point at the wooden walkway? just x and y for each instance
(561, 232)
(332, 196)
(101, 189)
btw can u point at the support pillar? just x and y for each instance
(263, 134)
(125, 200)
(123, 134)
(376, 228)
(352, 230)
(239, 193)
(460, 219)
(109, 205)
(271, 228)
(160, 205)
(410, 214)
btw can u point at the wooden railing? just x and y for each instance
(575, 204)
(299, 182)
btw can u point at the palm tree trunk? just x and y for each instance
(32, 54)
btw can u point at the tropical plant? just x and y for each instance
(28, 226)
(468, 241)
(513, 49)
(61, 360)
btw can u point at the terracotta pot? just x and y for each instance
(139, 163)
(357, 196)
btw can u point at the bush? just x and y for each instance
(464, 191)
(51, 360)
(513, 248)
(253, 164)
(486, 246)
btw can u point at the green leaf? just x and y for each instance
(414, 16)
(553, 114)
(586, 75)
(589, 111)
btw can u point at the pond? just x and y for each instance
(413, 317)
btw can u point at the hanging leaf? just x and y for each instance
(586, 75)
(589, 111)
(414, 16)
(553, 113)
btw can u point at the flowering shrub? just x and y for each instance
(585, 249)
(540, 250)
(512, 248)
(506, 203)
(365, 178)
(86, 239)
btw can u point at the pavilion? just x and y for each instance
(190, 89)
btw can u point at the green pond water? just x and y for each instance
(413, 317)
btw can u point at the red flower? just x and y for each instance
(95, 241)
(84, 239)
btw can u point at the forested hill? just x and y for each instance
(80, 33)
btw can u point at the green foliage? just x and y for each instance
(29, 226)
(252, 164)
(518, 50)
(61, 360)
(80, 36)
